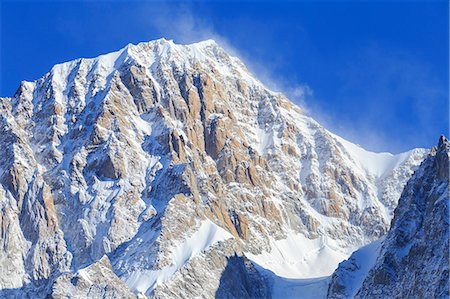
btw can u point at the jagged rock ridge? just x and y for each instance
(412, 260)
(159, 161)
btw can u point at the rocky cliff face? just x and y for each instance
(160, 161)
(412, 260)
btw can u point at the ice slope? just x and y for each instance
(300, 257)
(376, 164)
(357, 267)
(295, 288)
(298, 267)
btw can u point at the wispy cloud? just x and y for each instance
(183, 25)
(378, 86)
(388, 93)
(178, 23)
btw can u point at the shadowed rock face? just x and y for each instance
(240, 279)
(130, 154)
(413, 259)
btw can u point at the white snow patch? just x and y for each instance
(207, 234)
(107, 62)
(285, 288)
(364, 259)
(265, 140)
(298, 267)
(299, 257)
(377, 164)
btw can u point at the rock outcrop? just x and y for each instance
(413, 259)
(95, 281)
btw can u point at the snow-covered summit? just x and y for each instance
(151, 54)
(138, 153)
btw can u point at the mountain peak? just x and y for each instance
(164, 157)
(150, 52)
(153, 56)
(443, 141)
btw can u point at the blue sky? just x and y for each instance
(374, 72)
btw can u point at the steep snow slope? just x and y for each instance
(207, 234)
(349, 276)
(412, 260)
(376, 164)
(138, 154)
(300, 257)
